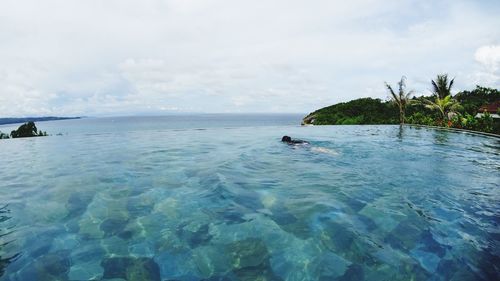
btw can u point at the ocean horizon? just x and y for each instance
(93, 124)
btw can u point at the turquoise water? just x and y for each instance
(176, 199)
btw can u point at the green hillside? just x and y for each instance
(359, 111)
(463, 108)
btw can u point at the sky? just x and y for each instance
(123, 57)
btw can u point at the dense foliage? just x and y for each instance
(360, 111)
(471, 101)
(464, 107)
(438, 109)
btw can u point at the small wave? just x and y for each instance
(325, 150)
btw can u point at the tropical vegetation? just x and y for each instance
(441, 88)
(26, 130)
(401, 99)
(360, 111)
(440, 108)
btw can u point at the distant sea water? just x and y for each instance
(219, 197)
(148, 123)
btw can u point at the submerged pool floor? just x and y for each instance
(358, 203)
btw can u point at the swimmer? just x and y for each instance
(289, 140)
(316, 149)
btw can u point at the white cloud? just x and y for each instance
(489, 56)
(124, 57)
(488, 69)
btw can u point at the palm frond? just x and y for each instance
(446, 100)
(394, 96)
(402, 86)
(451, 85)
(456, 106)
(409, 94)
(431, 106)
(435, 88)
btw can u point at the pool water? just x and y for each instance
(234, 203)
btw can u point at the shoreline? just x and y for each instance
(21, 120)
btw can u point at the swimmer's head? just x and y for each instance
(286, 139)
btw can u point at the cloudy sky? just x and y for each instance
(121, 57)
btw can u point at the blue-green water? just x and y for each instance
(161, 198)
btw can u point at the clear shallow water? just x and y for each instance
(233, 203)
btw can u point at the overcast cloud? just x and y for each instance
(121, 57)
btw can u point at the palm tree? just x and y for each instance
(443, 102)
(401, 99)
(441, 88)
(442, 105)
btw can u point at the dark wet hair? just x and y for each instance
(286, 139)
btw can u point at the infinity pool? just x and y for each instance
(234, 203)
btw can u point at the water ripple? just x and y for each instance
(237, 204)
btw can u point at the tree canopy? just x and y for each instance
(401, 99)
(441, 87)
(359, 111)
(471, 101)
(426, 110)
(26, 130)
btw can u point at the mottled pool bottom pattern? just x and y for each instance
(358, 203)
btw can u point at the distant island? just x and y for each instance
(477, 110)
(4, 121)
